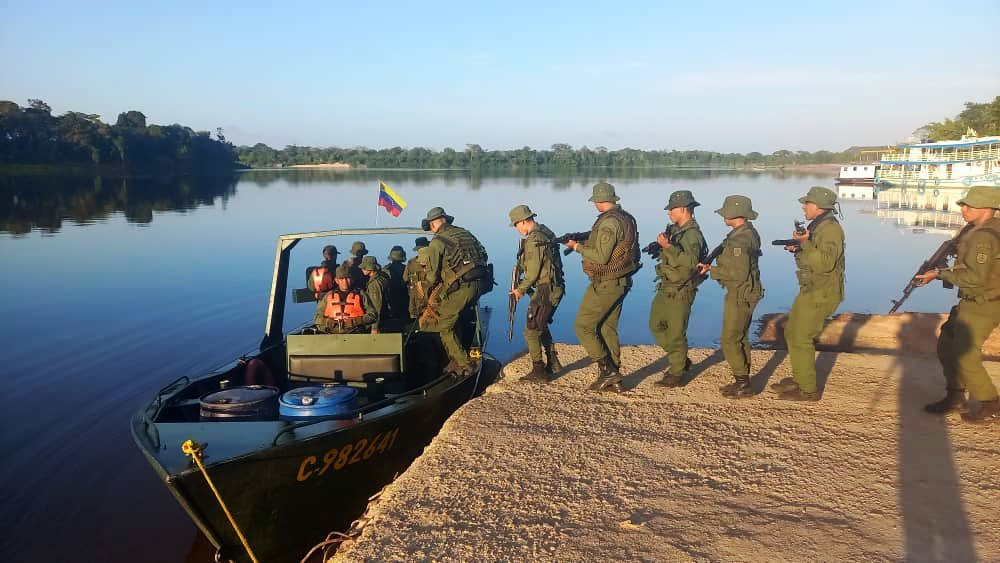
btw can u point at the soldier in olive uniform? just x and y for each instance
(358, 251)
(415, 275)
(398, 296)
(377, 288)
(457, 274)
(819, 257)
(330, 257)
(977, 274)
(682, 248)
(341, 316)
(610, 258)
(543, 280)
(736, 269)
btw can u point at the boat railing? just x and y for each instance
(938, 155)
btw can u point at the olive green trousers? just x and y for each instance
(960, 348)
(596, 324)
(538, 339)
(668, 321)
(805, 322)
(735, 337)
(448, 310)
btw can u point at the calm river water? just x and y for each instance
(112, 288)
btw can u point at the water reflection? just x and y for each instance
(44, 202)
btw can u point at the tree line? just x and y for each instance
(560, 157)
(32, 135)
(983, 118)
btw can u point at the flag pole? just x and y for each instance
(378, 201)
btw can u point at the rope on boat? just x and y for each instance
(194, 449)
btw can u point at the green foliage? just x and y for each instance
(32, 135)
(983, 118)
(561, 156)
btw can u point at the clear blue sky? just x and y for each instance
(727, 76)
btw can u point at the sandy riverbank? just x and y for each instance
(553, 472)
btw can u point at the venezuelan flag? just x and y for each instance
(390, 200)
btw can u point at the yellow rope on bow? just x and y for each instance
(194, 449)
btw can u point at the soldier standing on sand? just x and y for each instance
(543, 280)
(819, 257)
(457, 275)
(610, 258)
(977, 274)
(415, 275)
(737, 270)
(680, 254)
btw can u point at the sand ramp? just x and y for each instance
(554, 472)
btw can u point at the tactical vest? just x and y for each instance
(320, 280)
(991, 286)
(624, 259)
(808, 279)
(463, 253)
(552, 269)
(343, 305)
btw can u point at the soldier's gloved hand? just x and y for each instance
(702, 268)
(793, 248)
(517, 294)
(801, 237)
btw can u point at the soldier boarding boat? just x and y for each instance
(267, 471)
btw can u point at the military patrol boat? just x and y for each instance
(355, 410)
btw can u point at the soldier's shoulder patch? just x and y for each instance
(737, 251)
(982, 258)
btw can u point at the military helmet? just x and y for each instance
(603, 191)
(397, 253)
(421, 242)
(369, 263)
(681, 198)
(342, 272)
(824, 198)
(737, 206)
(982, 197)
(358, 248)
(520, 213)
(435, 213)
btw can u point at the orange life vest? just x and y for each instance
(347, 307)
(321, 280)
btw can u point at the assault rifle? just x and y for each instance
(578, 237)
(939, 259)
(515, 279)
(697, 273)
(800, 228)
(654, 248)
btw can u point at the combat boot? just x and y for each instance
(537, 373)
(609, 379)
(671, 380)
(786, 384)
(739, 388)
(552, 365)
(798, 395)
(989, 412)
(953, 401)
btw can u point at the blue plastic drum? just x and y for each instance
(247, 403)
(308, 402)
